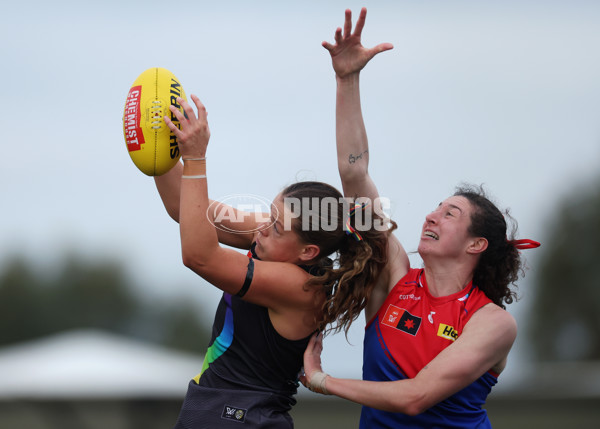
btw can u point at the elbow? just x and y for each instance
(352, 174)
(193, 261)
(411, 404)
(414, 408)
(351, 170)
(187, 260)
(174, 214)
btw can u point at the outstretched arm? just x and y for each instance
(226, 268)
(349, 57)
(457, 366)
(232, 230)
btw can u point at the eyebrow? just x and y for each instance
(452, 206)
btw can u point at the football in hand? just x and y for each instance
(152, 146)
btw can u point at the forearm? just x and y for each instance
(169, 189)
(395, 396)
(351, 135)
(351, 140)
(198, 235)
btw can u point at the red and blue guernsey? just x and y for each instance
(408, 331)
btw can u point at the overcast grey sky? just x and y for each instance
(502, 93)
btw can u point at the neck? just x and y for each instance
(447, 280)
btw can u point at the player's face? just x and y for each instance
(277, 242)
(445, 231)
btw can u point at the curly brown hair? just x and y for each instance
(347, 279)
(500, 264)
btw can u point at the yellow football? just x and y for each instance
(152, 146)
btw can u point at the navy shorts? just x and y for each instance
(207, 408)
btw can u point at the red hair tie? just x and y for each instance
(524, 244)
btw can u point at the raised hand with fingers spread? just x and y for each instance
(348, 55)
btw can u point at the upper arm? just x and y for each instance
(275, 285)
(396, 268)
(356, 181)
(485, 341)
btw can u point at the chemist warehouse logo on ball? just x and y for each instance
(134, 135)
(247, 213)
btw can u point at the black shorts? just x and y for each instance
(207, 408)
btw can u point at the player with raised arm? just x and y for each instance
(437, 337)
(275, 297)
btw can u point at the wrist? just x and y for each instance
(348, 79)
(194, 166)
(317, 382)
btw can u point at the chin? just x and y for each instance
(424, 250)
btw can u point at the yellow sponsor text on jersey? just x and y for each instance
(447, 331)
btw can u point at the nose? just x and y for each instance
(432, 218)
(265, 229)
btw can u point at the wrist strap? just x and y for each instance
(317, 382)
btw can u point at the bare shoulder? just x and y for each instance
(494, 316)
(494, 330)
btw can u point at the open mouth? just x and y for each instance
(431, 235)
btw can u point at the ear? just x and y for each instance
(477, 245)
(309, 252)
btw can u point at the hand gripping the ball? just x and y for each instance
(194, 134)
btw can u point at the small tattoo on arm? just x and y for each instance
(353, 158)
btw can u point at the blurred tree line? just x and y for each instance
(566, 313)
(83, 294)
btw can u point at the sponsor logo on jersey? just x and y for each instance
(448, 332)
(234, 413)
(409, 296)
(401, 319)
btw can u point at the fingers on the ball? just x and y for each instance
(170, 124)
(177, 113)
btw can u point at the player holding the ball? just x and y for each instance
(274, 298)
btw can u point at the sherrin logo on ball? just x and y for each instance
(152, 146)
